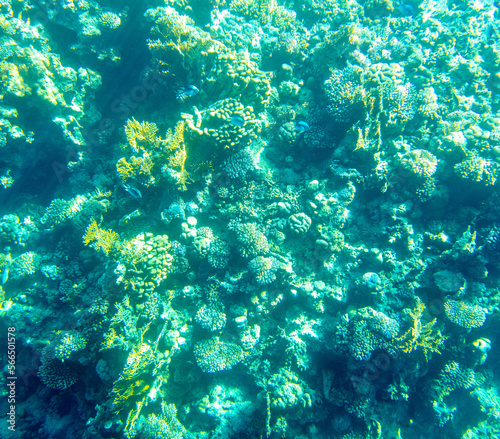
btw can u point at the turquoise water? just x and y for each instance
(249, 219)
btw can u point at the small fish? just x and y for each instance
(237, 121)
(136, 193)
(406, 9)
(8, 263)
(300, 126)
(186, 92)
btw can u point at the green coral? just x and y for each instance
(211, 316)
(253, 241)
(69, 343)
(162, 426)
(464, 314)
(25, 264)
(287, 390)
(214, 355)
(478, 169)
(264, 269)
(176, 43)
(55, 373)
(145, 262)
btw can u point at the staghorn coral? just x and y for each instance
(399, 103)
(25, 264)
(454, 376)
(218, 254)
(57, 212)
(238, 165)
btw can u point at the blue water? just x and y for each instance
(239, 219)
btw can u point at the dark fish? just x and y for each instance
(186, 92)
(300, 126)
(406, 9)
(136, 193)
(237, 121)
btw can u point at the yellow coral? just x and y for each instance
(110, 340)
(141, 136)
(100, 239)
(176, 33)
(12, 81)
(425, 337)
(178, 155)
(135, 166)
(124, 390)
(138, 360)
(91, 233)
(125, 169)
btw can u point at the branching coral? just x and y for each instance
(421, 337)
(103, 240)
(141, 136)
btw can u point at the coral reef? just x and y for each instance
(251, 218)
